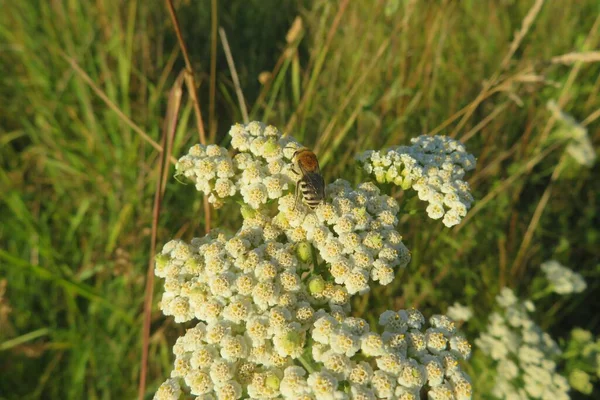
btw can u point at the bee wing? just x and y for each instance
(316, 182)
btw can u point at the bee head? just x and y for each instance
(299, 151)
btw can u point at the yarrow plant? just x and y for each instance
(563, 280)
(272, 300)
(525, 356)
(579, 146)
(459, 312)
(434, 166)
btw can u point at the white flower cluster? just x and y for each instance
(580, 146)
(254, 357)
(434, 166)
(255, 309)
(403, 362)
(562, 279)
(272, 300)
(353, 230)
(458, 312)
(259, 172)
(523, 352)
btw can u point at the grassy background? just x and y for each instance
(77, 183)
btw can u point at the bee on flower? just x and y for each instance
(311, 185)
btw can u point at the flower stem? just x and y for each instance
(315, 261)
(543, 293)
(306, 364)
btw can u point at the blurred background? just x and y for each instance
(82, 82)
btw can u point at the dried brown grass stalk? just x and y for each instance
(570, 58)
(318, 66)
(234, 75)
(494, 80)
(169, 128)
(191, 87)
(112, 105)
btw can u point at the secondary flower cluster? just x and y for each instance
(458, 312)
(354, 232)
(523, 352)
(273, 298)
(227, 361)
(259, 172)
(562, 279)
(434, 166)
(409, 358)
(580, 146)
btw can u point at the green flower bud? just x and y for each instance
(272, 382)
(280, 220)
(406, 184)
(303, 251)
(194, 265)
(161, 261)
(293, 340)
(316, 285)
(271, 146)
(247, 211)
(391, 175)
(374, 240)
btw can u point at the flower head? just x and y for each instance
(434, 166)
(284, 279)
(579, 146)
(563, 280)
(522, 351)
(458, 312)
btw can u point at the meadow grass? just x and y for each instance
(77, 182)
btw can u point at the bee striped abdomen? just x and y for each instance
(311, 197)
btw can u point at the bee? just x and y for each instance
(311, 184)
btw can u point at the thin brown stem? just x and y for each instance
(293, 38)
(517, 266)
(571, 58)
(190, 81)
(505, 184)
(590, 41)
(323, 138)
(484, 122)
(113, 106)
(168, 132)
(520, 35)
(191, 87)
(494, 80)
(234, 75)
(174, 106)
(318, 66)
(591, 118)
